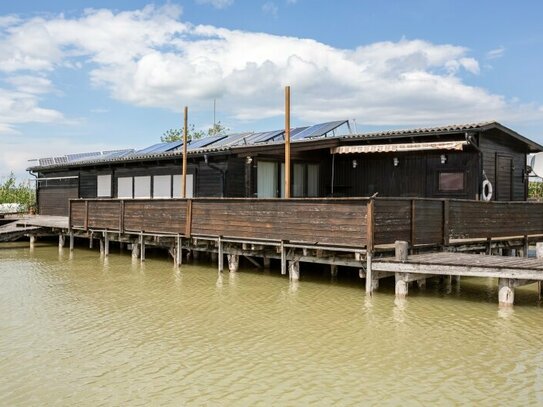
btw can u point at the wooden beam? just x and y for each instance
(188, 219)
(287, 142)
(370, 218)
(446, 213)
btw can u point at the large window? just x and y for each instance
(267, 179)
(125, 187)
(103, 186)
(178, 184)
(451, 181)
(270, 179)
(162, 186)
(142, 187)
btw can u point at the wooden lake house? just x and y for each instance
(390, 204)
(483, 161)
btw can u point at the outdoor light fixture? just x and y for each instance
(249, 159)
(355, 163)
(443, 159)
(395, 161)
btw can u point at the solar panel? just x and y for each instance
(108, 155)
(160, 147)
(204, 142)
(79, 156)
(231, 139)
(46, 161)
(318, 130)
(60, 160)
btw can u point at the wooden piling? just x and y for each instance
(61, 240)
(233, 262)
(220, 255)
(294, 270)
(72, 239)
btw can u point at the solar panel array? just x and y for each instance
(219, 141)
(318, 130)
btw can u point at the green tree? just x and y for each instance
(13, 192)
(535, 190)
(171, 135)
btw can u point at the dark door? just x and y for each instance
(504, 178)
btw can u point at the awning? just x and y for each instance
(393, 148)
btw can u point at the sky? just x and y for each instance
(102, 75)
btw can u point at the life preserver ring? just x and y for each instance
(487, 190)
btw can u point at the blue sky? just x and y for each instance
(112, 74)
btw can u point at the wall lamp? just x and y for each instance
(355, 163)
(249, 159)
(443, 158)
(395, 161)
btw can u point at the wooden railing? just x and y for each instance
(339, 221)
(348, 222)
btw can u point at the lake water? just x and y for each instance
(88, 331)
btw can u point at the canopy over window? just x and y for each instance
(393, 148)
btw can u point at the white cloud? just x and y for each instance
(495, 53)
(150, 58)
(270, 7)
(217, 3)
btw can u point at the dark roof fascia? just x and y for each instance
(533, 146)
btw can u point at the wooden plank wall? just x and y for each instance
(336, 221)
(485, 219)
(312, 221)
(315, 221)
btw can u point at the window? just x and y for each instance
(124, 187)
(451, 181)
(178, 184)
(142, 187)
(312, 179)
(270, 179)
(266, 179)
(103, 185)
(162, 186)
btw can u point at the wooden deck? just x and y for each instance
(33, 224)
(462, 264)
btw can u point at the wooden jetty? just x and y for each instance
(440, 236)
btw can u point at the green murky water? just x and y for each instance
(81, 330)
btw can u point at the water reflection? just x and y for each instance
(152, 331)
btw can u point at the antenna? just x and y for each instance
(214, 112)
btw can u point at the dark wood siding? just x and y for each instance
(235, 177)
(53, 195)
(53, 200)
(415, 176)
(493, 144)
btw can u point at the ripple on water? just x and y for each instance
(89, 332)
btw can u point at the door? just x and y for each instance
(504, 178)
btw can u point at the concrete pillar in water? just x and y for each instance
(142, 249)
(33, 239)
(369, 277)
(178, 253)
(294, 270)
(220, 255)
(233, 262)
(135, 250)
(72, 241)
(333, 270)
(402, 286)
(102, 249)
(61, 241)
(91, 241)
(106, 244)
(506, 292)
(421, 283)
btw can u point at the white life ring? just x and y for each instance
(487, 190)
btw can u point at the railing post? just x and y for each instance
(370, 217)
(86, 215)
(70, 214)
(446, 213)
(188, 220)
(121, 217)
